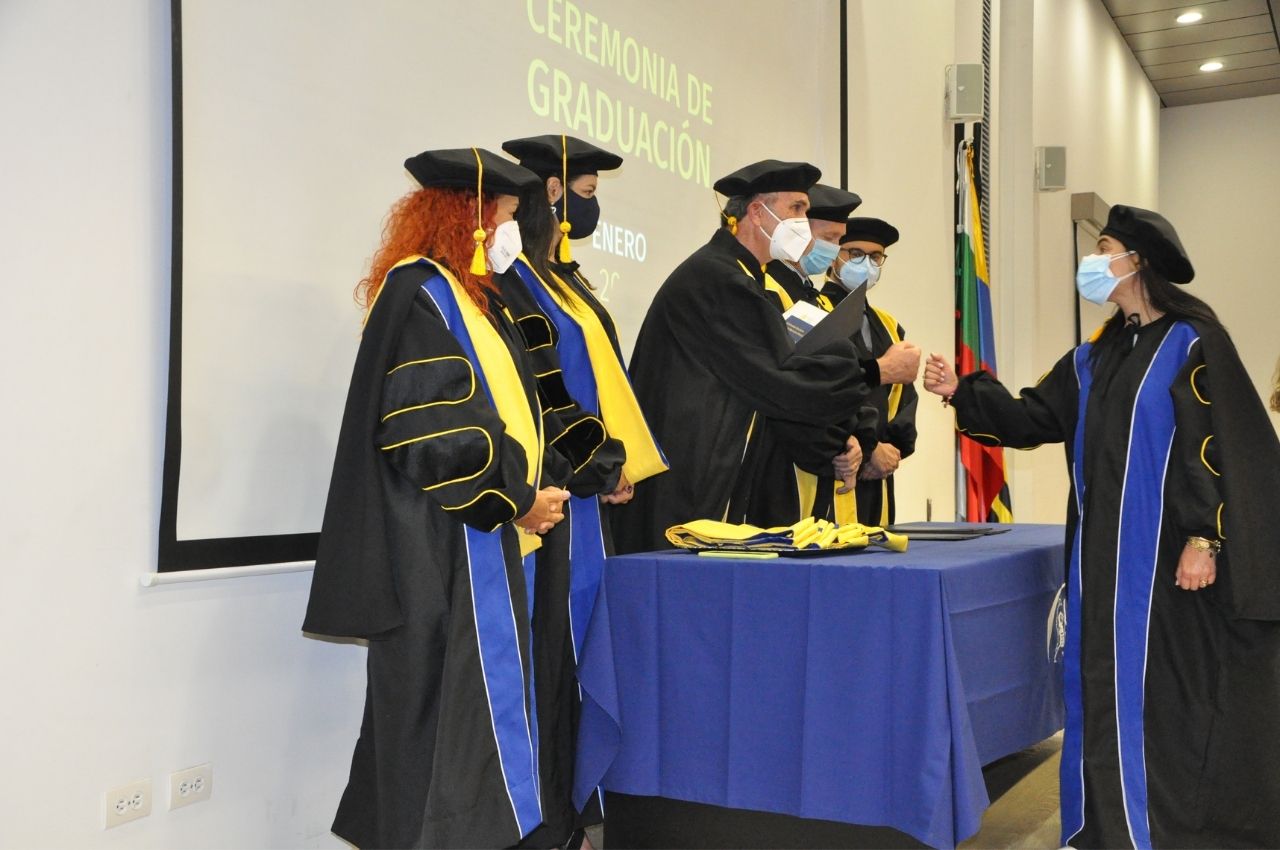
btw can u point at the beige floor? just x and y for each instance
(1026, 815)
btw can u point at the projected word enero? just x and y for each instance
(619, 241)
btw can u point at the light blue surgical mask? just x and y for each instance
(820, 257)
(854, 273)
(1094, 279)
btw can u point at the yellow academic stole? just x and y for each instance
(503, 379)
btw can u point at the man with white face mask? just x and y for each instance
(791, 462)
(860, 261)
(714, 355)
(829, 207)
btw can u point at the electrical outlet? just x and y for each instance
(126, 803)
(193, 785)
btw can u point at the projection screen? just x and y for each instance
(292, 119)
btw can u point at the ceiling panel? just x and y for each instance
(1241, 34)
(1166, 18)
(1252, 25)
(1254, 59)
(1217, 79)
(1118, 8)
(1186, 98)
(1205, 50)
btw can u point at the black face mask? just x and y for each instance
(584, 214)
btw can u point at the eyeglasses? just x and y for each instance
(855, 254)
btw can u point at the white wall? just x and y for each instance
(1090, 95)
(105, 682)
(1220, 187)
(900, 162)
(1062, 75)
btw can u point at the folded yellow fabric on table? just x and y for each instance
(806, 534)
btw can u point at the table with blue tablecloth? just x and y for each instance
(866, 688)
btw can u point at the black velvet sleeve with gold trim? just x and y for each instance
(1194, 464)
(814, 447)
(1046, 413)
(594, 459)
(1247, 454)
(439, 430)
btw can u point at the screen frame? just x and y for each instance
(211, 553)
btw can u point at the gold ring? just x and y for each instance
(1204, 583)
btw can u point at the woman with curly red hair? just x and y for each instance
(439, 490)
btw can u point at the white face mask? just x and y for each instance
(790, 238)
(506, 246)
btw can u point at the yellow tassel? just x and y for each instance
(733, 225)
(566, 254)
(479, 267)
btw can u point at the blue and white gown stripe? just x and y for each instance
(1142, 507)
(1151, 435)
(1071, 770)
(497, 627)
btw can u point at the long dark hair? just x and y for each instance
(1169, 298)
(538, 228)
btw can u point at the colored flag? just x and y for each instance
(982, 491)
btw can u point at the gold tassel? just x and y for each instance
(566, 254)
(479, 267)
(733, 224)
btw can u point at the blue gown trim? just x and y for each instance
(586, 547)
(1071, 771)
(1151, 433)
(493, 600)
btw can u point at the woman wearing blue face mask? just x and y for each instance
(1172, 665)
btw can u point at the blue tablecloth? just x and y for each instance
(867, 688)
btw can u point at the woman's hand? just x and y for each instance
(1197, 568)
(621, 494)
(939, 377)
(547, 510)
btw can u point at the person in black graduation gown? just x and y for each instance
(795, 467)
(583, 397)
(440, 485)
(713, 355)
(801, 454)
(1172, 658)
(860, 261)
